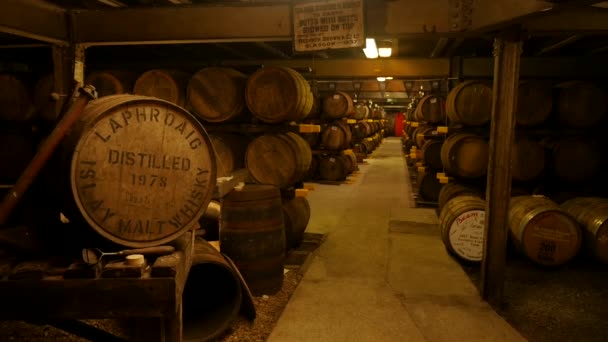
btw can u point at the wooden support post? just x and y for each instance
(507, 52)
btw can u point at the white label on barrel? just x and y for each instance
(142, 172)
(334, 128)
(433, 100)
(466, 235)
(332, 159)
(336, 97)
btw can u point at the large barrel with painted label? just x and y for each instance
(592, 214)
(276, 94)
(542, 231)
(217, 94)
(252, 234)
(142, 170)
(462, 227)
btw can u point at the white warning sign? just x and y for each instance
(330, 24)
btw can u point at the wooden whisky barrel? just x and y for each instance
(168, 85)
(419, 135)
(592, 214)
(15, 101)
(229, 152)
(465, 155)
(451, 190)
(431, 154)
(111, 82)
(534, 103)
(431, 109)
(217, 94)
(462, 222)
(429, 186)
(581, 104)
(278, 159)
(252, 234)
(333, 168)
(142, 170)
(276, 94)
(542, 231)
(527, 159)
(470, 103)
(296, 214)
(338, 105)
(335, 136)
(362, 111)
(576, 160)
(351, 162)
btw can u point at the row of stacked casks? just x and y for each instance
(540, 229)
(213, 94)
(337, 145)
(574, 104)
(465, 156)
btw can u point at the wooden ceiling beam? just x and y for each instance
(559, 44)
(34, 19)
(439, 48)
(272, 50)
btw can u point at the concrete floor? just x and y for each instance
(383, 273)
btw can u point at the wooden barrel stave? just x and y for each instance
(168, 85)
(431, 154)
(592, 214)
(252, 234)
(142, 170)
(431, 109)
(217, 94)
(527, 159)
(451, 190)
(296, 214)
(111, 82)
(542, 231)
(338, 105)
(332, 168)
(534, 103)
(278, 159)
(576, 161)
(581, 104)
(15, 101)
(465, 155)
(470, 103)
(462, 222)
(229, 152)
(276, 94)
(429, 186)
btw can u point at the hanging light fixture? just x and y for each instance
(381, 79)
(370, 51)
(385, 48)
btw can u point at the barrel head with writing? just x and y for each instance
(142, 172)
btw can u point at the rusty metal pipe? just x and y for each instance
(46, 150)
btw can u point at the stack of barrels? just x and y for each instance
(541, 230)
(347, 130)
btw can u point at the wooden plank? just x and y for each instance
(34, 20)
(166, 265)
(87, 298)
(507, 52)
(120, 269)
(224, 185)
(81, 270)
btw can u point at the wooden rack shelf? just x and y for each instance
(263, 128)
